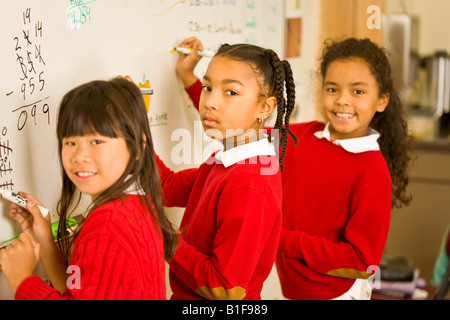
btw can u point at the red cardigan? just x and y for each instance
(120, 254)
(231, 228)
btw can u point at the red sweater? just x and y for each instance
(336, 214)
(120, 254)
(231, 228)
(337, 223)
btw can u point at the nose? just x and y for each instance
(210, 100)
(81, 154)
(343, 98)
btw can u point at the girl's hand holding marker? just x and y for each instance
(202, 53)
(21, 201)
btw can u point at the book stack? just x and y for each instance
(400, 279)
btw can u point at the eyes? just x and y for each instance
(227, 92)
(334, 90)
(70, 142)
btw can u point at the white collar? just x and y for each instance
(240, 153)
(355, 145)
(135, 189)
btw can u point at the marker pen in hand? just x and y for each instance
(203, 53)
(21, 201)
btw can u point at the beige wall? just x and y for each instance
(434, 21)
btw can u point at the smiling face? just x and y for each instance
(94, 162)
(351, 98)
(232, 102)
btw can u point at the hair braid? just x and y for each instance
(290, 93)
(277, 85)
(277, 80)
(284, 83)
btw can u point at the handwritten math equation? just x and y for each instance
(79, 13)
(256, 28)
(29, 58)
(6, 181)
(170, 5)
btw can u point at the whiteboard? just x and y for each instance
(50, 46)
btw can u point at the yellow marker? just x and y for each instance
(146, 96)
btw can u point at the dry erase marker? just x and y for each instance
(21, 201)
(146, 91)
(203, 53)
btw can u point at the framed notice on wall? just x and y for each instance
(293, 36)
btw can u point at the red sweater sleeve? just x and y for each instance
(102, 273)
(176, 186)
(365, 235)
(245, 223)
(194, 93)
(116, 256)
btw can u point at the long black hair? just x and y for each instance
(114, 109)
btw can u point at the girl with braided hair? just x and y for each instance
(231, 226)
(342, 179)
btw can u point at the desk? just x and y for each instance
(429, 289)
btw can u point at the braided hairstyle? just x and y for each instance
(275, 78)
(395, 142)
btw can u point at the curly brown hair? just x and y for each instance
(395, 141)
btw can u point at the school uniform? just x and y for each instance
(336, 214)
(118, 254)
(231, 225)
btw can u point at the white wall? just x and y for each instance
(305, 66)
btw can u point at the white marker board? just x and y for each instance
(50, 46)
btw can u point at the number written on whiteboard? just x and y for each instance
(34, 110)
(31, 65)
(79, 13)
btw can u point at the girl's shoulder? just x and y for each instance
(304, 131)
(116, 221)
(303, 128)
(307, 127)
(116, 213)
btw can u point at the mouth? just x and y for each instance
(82, 175)
(344, 115)
(210, 122)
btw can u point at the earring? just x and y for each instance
(260, 120)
